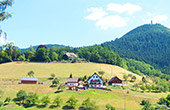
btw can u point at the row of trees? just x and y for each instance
(95, 53)
(32, 99)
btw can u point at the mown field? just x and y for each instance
(10, 74)
(16, 70)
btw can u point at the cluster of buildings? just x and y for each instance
(95, 81)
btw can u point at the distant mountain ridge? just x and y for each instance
(149, 43)
(47, 45)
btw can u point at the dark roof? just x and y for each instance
(29, 78)
(115, 78)
(72, 79)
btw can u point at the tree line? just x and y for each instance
(32, 99)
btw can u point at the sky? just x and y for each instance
(78, 23)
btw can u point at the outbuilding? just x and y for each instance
(72, 82)
(115, 81)
(29, 80)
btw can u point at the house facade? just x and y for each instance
(72, 82)
(115, 81)
(95, 81)
(29, 80)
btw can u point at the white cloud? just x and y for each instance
(129, 8)
(3, 37)
(111, 22)
(159, 18)
(2, 40)
(156, 18)
(96, 13)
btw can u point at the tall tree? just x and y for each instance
(42, 55)
(3, 5)
(21, 96)
(30, 73)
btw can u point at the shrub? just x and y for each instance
(144, 102)
(109, 107)
(1, 103)
(88, 105)
(58, 101)
(71, 102)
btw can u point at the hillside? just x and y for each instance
(12, 72)
(16, 70)
(47, 45)
(149, 43)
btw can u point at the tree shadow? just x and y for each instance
(50, 78)
(66, 107)
(58, 91)
(53, 86)
(16, 101)
(82, 108)
(41, 106)
(52, 106)
(27, 106)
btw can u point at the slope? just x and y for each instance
(149, 43)
(16, 70)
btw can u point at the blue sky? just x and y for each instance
(79, 22)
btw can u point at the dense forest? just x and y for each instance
(97, 54)
(149, 43)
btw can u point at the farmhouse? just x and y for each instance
(72, 82)
(29, 80)
(115, 81)
(95, 81)
(69, 55)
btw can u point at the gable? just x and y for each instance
(95, 76)
(115, 79)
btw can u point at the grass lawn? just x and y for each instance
(116, 97)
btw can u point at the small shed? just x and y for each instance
(115, 81)
(29, 80)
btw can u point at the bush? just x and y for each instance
(109, 107)
(58, 101)
(7, 100)
(144, 102)
(1, 103)
(45, 100)
(71, 102)
(88, 105)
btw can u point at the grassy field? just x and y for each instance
(116, 97)
(11, 73)
(17, 70)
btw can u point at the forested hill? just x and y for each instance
(47, 45)
(149, 43)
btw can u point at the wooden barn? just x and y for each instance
(29, 80)
(95, 81)
(115, 81)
